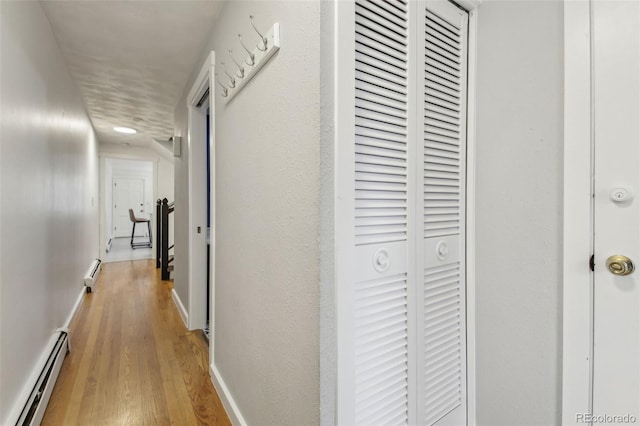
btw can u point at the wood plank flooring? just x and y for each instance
(132, 361)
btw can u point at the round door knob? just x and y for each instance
(620, 265)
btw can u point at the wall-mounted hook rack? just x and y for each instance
(254, 61)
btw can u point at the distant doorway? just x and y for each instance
(128, 193)
(127, 184)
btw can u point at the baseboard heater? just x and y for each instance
(36, 405)
(92, 275)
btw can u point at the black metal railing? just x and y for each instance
(163, 259)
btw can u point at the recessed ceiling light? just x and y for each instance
(127, 130)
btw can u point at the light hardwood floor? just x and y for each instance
(132, 361)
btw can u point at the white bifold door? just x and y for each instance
(401, 177)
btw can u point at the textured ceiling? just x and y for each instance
(131, 59)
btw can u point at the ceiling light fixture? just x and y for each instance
(127, 130)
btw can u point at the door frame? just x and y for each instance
(334, 365)
(196, 146)
(102, 159)
(577, 333)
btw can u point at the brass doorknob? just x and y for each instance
(620, 265)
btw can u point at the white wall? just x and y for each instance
(48, 192)
(268, 190)
(519, 212)
(327, 319)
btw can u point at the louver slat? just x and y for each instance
(381, 350)
(442, 335)
(381, 121)
(381, 179)
(442, 138)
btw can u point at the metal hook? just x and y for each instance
(240, 68)
(251, 55)
(232, 78)
(225, 92)
(263, 38)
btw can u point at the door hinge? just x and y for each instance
(592, 263)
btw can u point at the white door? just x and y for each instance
(616, 317)
(128, 193)
(401, 208)
(441, 307)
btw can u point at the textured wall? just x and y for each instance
(48, 194)
(519, 212)
(267, 174)
(181, 212)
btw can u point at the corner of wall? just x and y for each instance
(327, 323)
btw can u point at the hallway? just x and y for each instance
(132, 361)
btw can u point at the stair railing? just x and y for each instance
(163, 260)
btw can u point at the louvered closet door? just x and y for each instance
(381, 213)
(402, 354)
(441, 333)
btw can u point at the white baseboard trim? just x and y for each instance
(23, 398)
(230, 406)
(181, 310)
(75, 309)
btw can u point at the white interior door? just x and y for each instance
(128, 193)
(401, 203)
(383, 199)
(616, 317)
(441, 333)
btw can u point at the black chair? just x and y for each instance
(135, 220)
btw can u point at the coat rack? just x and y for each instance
(255, 59)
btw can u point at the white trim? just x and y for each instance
(578, 229)
(45, 396)
(211, 279)
(196, 146)
(22, 399)
(230, 406)
(32, 381)
(470, 230)
(181, 310)
(468, 5)
(76, 308)
(344, 207)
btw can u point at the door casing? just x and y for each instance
(196, 144)
(578, 218)
(104, 160)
